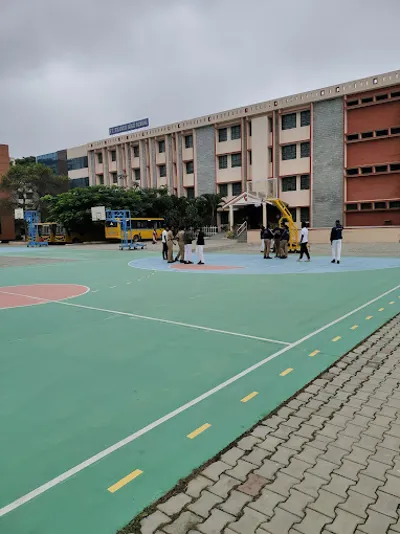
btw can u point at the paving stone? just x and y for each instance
(224, 485)
(309, 455)
(283, 432)
(281, 523)
(150, 524)
(376, 470)
(235, 502)
(375, 431)
(285, 412)
(296, 443)
(381, 420)
(267, 503)
(196, 486)
(339, 485)
(232, 456)
(306, 431)
(391, 486)
(349, 470)
(270, 444)
(353, 430)
(214, 470)
(261, 432)
(391, 443)
(359, 456)
(282, 456)
(216, 522)
(368, 411)
(326, 503)
(297, 503)
(344, 523)
(348, 411)
(387, 505)
(241, 470)
(249, 522)
(283, 484)
(384, 456)
(340, 420)
(334, 455)
(323, 469)
(376, 523)
(313, 522)
(205, 503)
(296, 468)
(256, 456)
(248, 442)
(305, 412)
(321, 443)
(184, 522)
(367, 485)
(175, 504)
(269, 469)
(295, 403)
(273, 421)
(330, 431)
(357, 504)
(368, 442)
(253, 484)
(310, 485)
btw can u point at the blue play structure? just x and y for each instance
(32, 219)
(123, 219)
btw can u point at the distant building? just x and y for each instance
(78, 171)
(56, 161)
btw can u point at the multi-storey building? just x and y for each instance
(57, 161)
(334, 153)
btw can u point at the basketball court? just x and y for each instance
(121, 374)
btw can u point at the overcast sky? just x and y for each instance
(71, 69)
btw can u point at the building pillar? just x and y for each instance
(231, 217)
(264, 214)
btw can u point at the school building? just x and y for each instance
(334, 153)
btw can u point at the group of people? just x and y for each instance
(280, 235)
(184, 237)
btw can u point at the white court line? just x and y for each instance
(106, 452)
(156, 319)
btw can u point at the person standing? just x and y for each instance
(304, 242)
(170, 245)
(277, 241)
(336, 242)
(181, 244)
(284, 241)
(200, 247)
(154, 236)
(164, 239)
(262, 238)
(267, 242)
(187, 239)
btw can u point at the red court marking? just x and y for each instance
(33, 295)
(184, 267)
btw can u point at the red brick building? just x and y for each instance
(7, 227)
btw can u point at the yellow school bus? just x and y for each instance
(56, 234)
(142, 229)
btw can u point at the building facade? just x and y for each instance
(7, 228)
(56, 161)
(332, 153)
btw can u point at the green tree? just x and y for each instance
(25, 161)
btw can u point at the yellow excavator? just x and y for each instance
(293, 245)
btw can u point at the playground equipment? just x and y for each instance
(32, 219)
(123, 219)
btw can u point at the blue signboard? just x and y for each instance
(143, 123)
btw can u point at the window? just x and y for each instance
(381, 97)
(366, 170)
(223, 190)
(189, 167)
(352, 172)
(289, 121)
(395, 94)
(222, 162)
(113, 155)
(289, 152)
(289, 183)
(236, 189)
(161, 147)
(380, 205)
(250, 157)
(305, 214)
(305, 182)
(190, 192)
(236, 160)
(162, 169)
(235, 132)
(100, 158)
(395, 167)
(77, 163)
(114, 178)
(270, 124)
(305, 149)
(249, 129)
(222, 135)
(395, 204)
(189, 141)
(366, 205)
(381, 133)
(352, 103)
(381, 168)
(137, 175)
(270, 154)
(367, 135)
(367, 100)
(305, 118)
(351, 207)
(396, 130)
(293, 213)
(135, 151)
(352, 137)
(100, 179)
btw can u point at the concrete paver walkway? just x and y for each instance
(327, 462)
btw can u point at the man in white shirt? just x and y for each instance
(304, 242)
(164, 241)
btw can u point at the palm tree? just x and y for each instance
(214, 201)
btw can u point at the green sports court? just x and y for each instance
(120, 375)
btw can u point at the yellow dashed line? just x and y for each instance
(336, 338)
(124, 481)
(392, 302)
(368, 317)
(249, 397)
(314, 353)
(198, 431)
(286, 372)
(381, 309)
(354, 327)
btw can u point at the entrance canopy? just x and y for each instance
(243, 200)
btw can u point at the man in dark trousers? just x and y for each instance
(267, 234)
(284, 241)
(304, 242)
(336, 242)
(277, 241)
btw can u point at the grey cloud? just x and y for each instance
(69, 70)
